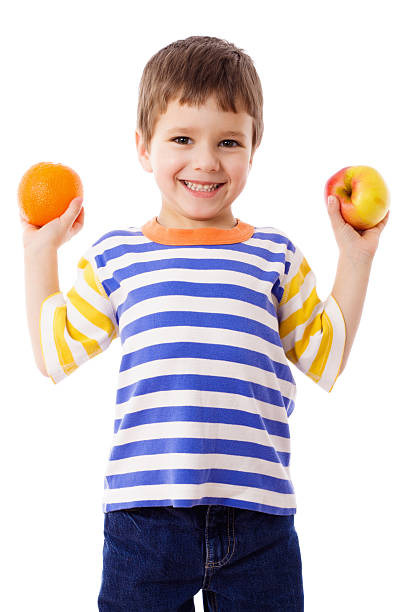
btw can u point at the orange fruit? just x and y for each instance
(46, 190)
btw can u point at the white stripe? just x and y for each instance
(180, 303)
(215, 399)
(197, 461)
(298, 299)
(91, 296)
(50, 354)
(204, 367)
(208, 335)
(298, 332)
(189, 275)
(196, 491)
(310, 353)
(339, 338)
(200, 429)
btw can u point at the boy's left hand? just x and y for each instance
(358, 245)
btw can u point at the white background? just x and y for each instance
(334, 80)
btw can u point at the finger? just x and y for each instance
(72, 210)
(26, 224)
(333, 207)
(80, 218)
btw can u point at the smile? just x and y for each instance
(202, 191)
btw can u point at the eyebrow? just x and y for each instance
(193, 129)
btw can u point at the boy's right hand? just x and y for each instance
(54, 233)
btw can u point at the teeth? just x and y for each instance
(196, 187)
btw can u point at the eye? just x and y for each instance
(187, 138)
(231, 141)
(180, 137)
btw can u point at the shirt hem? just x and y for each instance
(189, 503)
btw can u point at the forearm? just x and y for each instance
(349, 291)
(41, 280)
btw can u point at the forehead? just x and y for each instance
(206, 116)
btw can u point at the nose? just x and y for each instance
(205, 159)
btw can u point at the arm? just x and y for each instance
(356, 252)
(41, 265)
(349, 291)
(41, 280)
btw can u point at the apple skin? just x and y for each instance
(363, 194)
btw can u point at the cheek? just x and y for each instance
(167, 165)
(166, 173)
(171, 167)
(239, 172)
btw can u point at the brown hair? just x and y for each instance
(193, 69)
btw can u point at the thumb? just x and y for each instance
(336, 218)
(333, 207)
(73, 208)
(332, 201)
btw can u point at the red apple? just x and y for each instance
(363, 194)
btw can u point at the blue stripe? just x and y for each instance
(143, 248)
(201, 319)
(200, 350)
(204, 290)
(197, 477)
(200, 414)
(189, 503)
(204, 446)
(221, 384)
(147, 247)
(136, 268)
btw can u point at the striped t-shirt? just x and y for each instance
(208, 319)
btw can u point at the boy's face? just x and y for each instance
(198, 144)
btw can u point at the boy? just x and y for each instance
(209, 309)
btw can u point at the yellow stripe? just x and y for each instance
(85, 308)
(65, 356)
(91, 313)
(293, 287)
(90, 277)
(300, 316)
(295, 353)
(320, 361)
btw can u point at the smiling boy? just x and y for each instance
(203, 145)
(209, 310)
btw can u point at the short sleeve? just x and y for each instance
(76, 328)
(313, 332)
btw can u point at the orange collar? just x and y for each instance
(201, 235)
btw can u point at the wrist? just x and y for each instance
(35, 250)
(360, 260)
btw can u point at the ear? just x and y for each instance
(252, 158)
(143, 154)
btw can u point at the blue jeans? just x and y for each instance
(156, 558)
